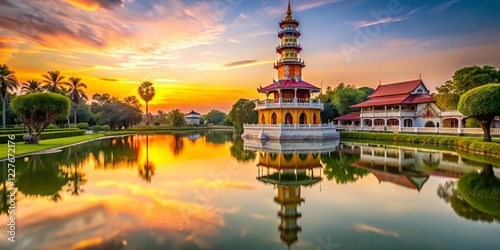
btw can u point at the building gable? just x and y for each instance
(420, 89)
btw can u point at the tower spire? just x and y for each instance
(288, 12)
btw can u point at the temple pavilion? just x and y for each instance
(289, 112)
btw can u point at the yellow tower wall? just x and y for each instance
(295, 112)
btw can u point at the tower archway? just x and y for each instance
(303, 118)
(273, 118)
(288, 118)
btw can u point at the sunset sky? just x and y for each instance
(205, 55)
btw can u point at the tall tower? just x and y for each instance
(291, 101)
(289, 106)
(289, 65)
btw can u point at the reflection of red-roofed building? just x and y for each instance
(401, 105)
(411, 167)
(411, 182)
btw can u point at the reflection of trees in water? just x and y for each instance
(431, 162)
(219, 137)
(4, 206)
(147, 170)
(238, 152)
(38, 177)
(116, 152)
(339, 167)
(288, 157)
(77, 178)
(177, 144)
(481, 190)
(449, 193)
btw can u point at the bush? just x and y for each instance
(52, 126)
(471, 123)
(83, 125)
(72, 125)
(44, 135)
(96, 128)
(105, 127)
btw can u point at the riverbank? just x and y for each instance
(23, 149)
(470, 144)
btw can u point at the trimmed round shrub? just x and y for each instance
(105, 127)
(52, 126)
(96, 128)
(83, 125)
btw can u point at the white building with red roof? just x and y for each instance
(399, 106)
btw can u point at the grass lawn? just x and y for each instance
(22, 148)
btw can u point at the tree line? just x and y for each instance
(37, 104)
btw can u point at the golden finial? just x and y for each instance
(288, 16)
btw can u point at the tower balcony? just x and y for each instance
(290, 62)
(289, 103)
(283, 46)
(293, 32)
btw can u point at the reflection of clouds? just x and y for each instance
(100, 243)
(111, 220)
(259, 216)
(134, 189)
(227, 184)
(367, 228)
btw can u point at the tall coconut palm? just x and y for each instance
(31, 86)
(53, 80)
(76, 92)
(147, 93)
(8, 82)
(64, 91)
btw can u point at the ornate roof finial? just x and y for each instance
(420, 76)
(288, 16)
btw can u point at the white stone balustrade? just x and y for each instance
(289, 103)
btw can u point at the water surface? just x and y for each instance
(205, 191)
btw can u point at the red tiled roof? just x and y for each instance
(396, 99)
(421, 98)
(380, 101)
(353, 116)
(396, 88)
(289, 84)
(400, 180)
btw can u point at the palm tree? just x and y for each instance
(76, 92)
(147, 92)
(31, 86)
(8, 82)
(53, 81)
(64, 91)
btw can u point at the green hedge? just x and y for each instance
(469, 144)
(96, 128)
(83, 125)
(44, 135)
(105, 127)
(20, 131)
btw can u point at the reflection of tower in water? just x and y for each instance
(288, 173)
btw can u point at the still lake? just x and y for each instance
(204, 190)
